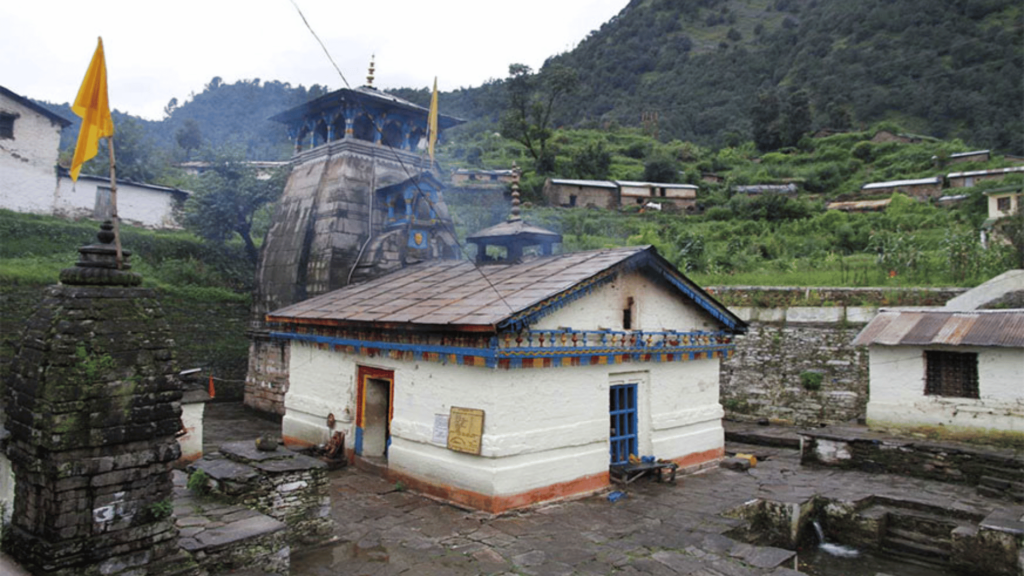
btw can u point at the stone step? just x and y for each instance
(1002, 484)
(926, 539)
(921, 522)
(909, 558)
(933, 554)
(1002, 472)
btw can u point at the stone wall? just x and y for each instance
(796, 363)
(764, 378)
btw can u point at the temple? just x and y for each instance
(362, 199)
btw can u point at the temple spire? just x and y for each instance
(369, 77)
(514, 216)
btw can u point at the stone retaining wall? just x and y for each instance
(763, 379)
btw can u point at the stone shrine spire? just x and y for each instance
(369, 76)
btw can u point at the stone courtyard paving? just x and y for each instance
(659, 529)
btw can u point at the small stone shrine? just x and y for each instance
(93, 406)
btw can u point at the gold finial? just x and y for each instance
(369, 78)
(515, 203)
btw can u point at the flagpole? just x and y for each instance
(113, 202)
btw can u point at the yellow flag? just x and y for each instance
(432, 123)
(93, 107)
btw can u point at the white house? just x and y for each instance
(502, 385)
(29, 140)
(145, 205)
(33, 183)
(957, 367)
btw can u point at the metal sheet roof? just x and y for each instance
(457, 294)
(590, 183)
(895, 183)
(942, 327)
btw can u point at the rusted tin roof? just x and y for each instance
(940, 327)
(458, 295)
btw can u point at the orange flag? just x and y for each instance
(432, 123)
(93, 107)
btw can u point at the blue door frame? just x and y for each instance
(622, 411)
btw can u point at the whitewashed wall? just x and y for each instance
(144, 206)
(656, 308)
(542, 426)
(28, 163)
(897, 390)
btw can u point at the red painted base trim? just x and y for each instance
(497, 504)
(296, 443)
(691, 461)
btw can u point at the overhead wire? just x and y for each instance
(448, 226)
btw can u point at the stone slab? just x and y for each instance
(226, 470)
(237, 531)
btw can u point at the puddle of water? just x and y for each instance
(322, 560)
(819, 562)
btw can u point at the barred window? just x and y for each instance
(951, 374)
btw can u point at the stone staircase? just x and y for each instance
(918, 536)
(915, 532)
(1002, 482)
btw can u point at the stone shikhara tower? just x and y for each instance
(361, 200)
(93, 407)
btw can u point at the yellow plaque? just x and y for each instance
(465, 429)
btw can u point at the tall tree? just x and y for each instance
(764, 118)
(189, 136)
(531, 101)
(227, 198)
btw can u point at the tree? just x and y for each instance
(531, 101)
(227, 198)
(660, 167)
(189, 136)
(135, 154)
(592, 162)
(796, 118)
(764, 118)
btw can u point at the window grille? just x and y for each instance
(951, 374)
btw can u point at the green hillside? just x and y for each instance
(951, 69)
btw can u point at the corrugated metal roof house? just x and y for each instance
(950, 367)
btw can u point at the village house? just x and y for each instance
(919, 189)
(263, 168)
(29, 141)
(1003, 202)
(522, 380)
(613, 194)
(680, 196)
(466, 178)
(754, 189)
(860, 205)
(973, 156)
(582, 193)
(958, 367)
(968, 179)
(143, 205)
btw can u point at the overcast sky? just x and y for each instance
(161, 50)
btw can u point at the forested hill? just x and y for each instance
(946, 69)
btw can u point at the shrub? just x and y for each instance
(811, 380)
